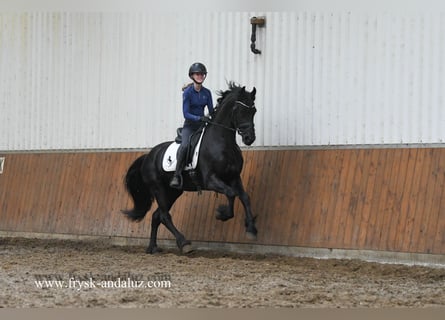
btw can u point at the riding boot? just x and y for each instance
(176, 181)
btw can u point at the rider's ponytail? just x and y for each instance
(186, 86)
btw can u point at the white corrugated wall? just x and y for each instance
(99, 80)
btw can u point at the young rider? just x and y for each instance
(194, 100)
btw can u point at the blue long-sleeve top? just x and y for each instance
(194, 102)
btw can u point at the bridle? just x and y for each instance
(238, 128)
(243, 126)
(244, 105)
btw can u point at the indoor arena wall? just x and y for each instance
(384, 199)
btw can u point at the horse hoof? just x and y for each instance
(251, 236)
(153, 250)
(220, 216)
(187, 248)
(223, 213)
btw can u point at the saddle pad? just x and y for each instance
(169, 159)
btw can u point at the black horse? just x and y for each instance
(219, 166)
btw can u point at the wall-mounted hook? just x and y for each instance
(260, 22)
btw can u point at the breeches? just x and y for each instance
(187, 131)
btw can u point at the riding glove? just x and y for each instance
(204, 119)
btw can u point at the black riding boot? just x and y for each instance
(176, 182)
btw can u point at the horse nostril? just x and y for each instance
(248, 139)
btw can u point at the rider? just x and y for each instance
(194, 99)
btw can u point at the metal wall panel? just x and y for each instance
(93, 80)
(86, 80)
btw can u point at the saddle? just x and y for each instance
(169, 159)
(194, 140)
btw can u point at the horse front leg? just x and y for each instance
(249, 222)
(231, 192)
(225, 212)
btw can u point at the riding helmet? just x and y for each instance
(197, 67)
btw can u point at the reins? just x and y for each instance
(221, 125)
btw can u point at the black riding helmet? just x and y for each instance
(197, 67)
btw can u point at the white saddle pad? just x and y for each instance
(169, 159)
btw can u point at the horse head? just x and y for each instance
(235, 111)
(243, 113)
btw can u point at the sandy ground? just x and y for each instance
(61, 273)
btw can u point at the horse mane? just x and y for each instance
(227, 96)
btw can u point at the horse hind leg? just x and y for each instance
(183, 244)
(155, 222)
(165, 199)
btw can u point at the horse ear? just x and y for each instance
(253, 93)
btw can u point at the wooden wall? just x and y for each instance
(390, 199)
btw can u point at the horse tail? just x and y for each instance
(139, 191)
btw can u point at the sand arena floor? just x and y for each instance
(65, 273)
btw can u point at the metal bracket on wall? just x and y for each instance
(2, 162)
(260, 22)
